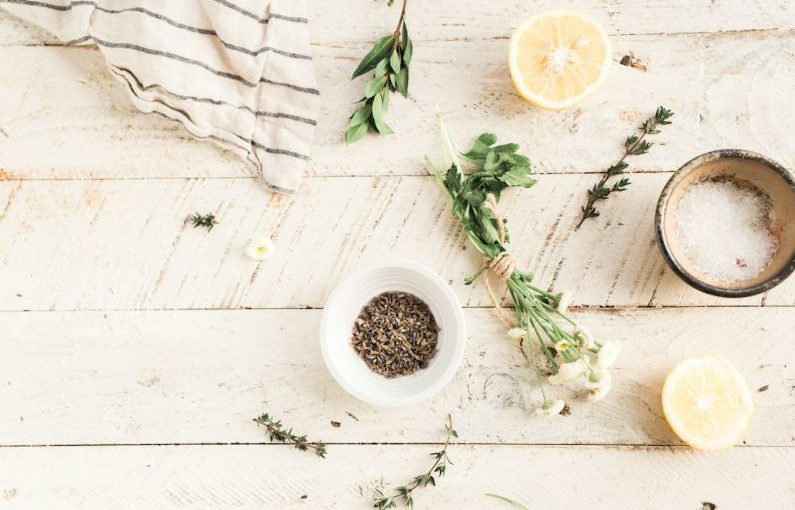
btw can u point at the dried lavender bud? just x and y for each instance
(395, 334)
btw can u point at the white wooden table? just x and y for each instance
(134, 349)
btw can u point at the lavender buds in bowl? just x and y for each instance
(393, 334)
(726, 223)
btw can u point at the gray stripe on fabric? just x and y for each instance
(174, 56)
(204, 31)
(282, 152)
(257, 18)
(254, 143)
(299, 88)
(165, 19)
(186, 60)
(217, 102)
(54, 7)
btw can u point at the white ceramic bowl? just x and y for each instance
(344, 305)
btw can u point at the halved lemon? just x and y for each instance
(707, 402)
(558, 58)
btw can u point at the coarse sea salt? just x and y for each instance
(724, 230)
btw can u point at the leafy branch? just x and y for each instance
(389, 60)
(277, 433)
(634, 145)
(405, 493)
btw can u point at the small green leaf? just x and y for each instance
(354, 134)
(402, 84)
(374, 86)
(361, 115)
(380, 69)
(408, 52)
(380, 125)
(385, 98)
(394, 61)
(481, 146)
(379, 51)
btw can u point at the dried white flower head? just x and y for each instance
(517, 333)
(564, 301)
(584, 337)
(607, 354)
(261, 249)
(551, 408)
(562, 345)
(567, 372)
(599, 386)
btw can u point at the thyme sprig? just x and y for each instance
(207, 221)
(405, 493)
(548, 338)
(510, 501)
(277, 433)
(634, 145)
(389, 59)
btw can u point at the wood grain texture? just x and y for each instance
(61, 104)
(125, 244)
(201, 376)
(362, 20)
(201, 477)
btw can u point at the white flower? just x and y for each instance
(607, 354)
(564, 301)
(261, 249)
(567, 372)
(562, 345)
(551, 408)
(517, 333)
(584, 336)
(599, 387)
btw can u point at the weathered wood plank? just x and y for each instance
(62, 115)
(204, 477)
(125, 244)
(361, 20)
(201, 376)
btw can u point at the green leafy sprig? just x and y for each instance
(545, 332)
(405, 493)
(207, 221)
(634, 145)
(277, 433)
(389, 60)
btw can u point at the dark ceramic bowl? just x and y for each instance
(750, 169)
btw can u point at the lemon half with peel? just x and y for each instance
(707, 402)
(558, 58)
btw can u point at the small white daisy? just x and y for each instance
(607, 354)
(261, 249)
(567, 372)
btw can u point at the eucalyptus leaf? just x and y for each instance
(395, 61)
(361, 115)
(378, 111)
(374, 86)
(402, 84)
(381, 68)
(379, 51)
(355, 133)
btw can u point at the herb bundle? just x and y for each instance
(405, 493)
(634, 145)
(277, 433)
(389, 59)
(207, 221)
(551, 341)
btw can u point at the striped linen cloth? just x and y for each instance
(238, 72)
